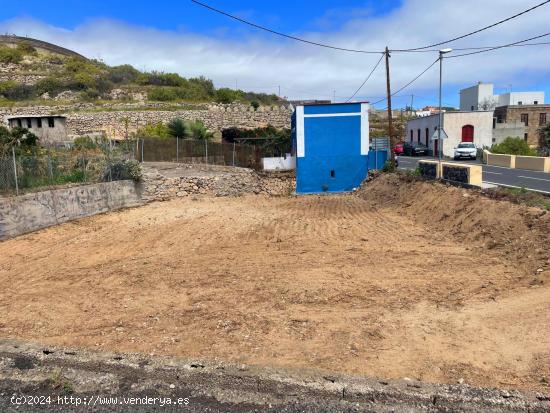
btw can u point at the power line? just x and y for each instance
(366, 80)
(410, 83)
(518, 43)
(283, 34)
(476, 31)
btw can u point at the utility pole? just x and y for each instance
(388, 90)
(412, 101)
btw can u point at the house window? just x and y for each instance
(38, 122)
(525, 119)
(542, 119)
(19, 124)
(427, 136)
(536, 102)
(472, 108)
(467, 133)
(29, 123)
(418, 135)
(520, 103)
(525, 137)
(411, 135)
(51, 122)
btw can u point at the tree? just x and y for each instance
(197, 130)
(19, 138)
(177, 128)
(545, 140)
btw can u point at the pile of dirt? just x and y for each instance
(521, 234)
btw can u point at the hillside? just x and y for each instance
(33, 71)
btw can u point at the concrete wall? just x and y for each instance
(471, 98)
(30, 212)
(286, 163)
(507, 161)
(514, 129)
(534, 163)
(526, 98)
(40, 126)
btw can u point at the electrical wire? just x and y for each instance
(410, 83)
(283, 34)
(366, 80)
(476, 31)
(518, 43)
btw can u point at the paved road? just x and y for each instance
(519, 178)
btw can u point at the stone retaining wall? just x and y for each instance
(187, 180)
(111, 119)
(30, 212)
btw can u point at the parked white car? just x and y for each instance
(466, 150)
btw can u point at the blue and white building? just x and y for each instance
(332, 146)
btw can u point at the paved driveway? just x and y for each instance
(519, 178)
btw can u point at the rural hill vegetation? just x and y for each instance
(56, 76)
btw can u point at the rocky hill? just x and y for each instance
(33, 71)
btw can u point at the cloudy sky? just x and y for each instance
(179, 36)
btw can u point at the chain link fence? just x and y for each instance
(198, 152)
(25, 173)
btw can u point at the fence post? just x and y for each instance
(50, 169)
(206, 149)
(142, 145)
(15, 171)
(177, 149)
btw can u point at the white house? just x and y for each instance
(476, 127)
(482, 97)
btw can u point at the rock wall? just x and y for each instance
(112, 119)
(187, 180)
(30, 212)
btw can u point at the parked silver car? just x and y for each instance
(465, 150)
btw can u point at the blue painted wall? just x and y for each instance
(332, 146)
(377, 159)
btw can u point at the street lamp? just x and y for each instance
(439, 142)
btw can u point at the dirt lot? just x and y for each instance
(446, 286)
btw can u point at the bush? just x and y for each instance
(123, 74)
(17, 91)
(26, 49)
(123, 169)
(49, 85)
(162, 94)
(513, 146)
(197, 130)
(9, 55)
(153, 130)
(226, 95)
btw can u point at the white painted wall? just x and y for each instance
(473, 97)
(286, 163)
(482, 121)
(526, 98)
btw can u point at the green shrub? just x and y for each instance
(226, 95)
(49, 85)
(9, 55)
(255, 104)
(197, 130)
(162, 94)
(123, 169)
(513, 146)
(84, 142)
(17, 91)
(123, 74)
(153, 130)
(26, 48)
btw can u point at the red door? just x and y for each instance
(468, 133)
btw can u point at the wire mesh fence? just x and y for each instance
(198, 152)
(23, 173)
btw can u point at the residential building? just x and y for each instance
(49, 129)
(533, 117)
(482, 97)
(476, 127)
(332, 146)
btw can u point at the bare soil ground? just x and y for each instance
(445, 286)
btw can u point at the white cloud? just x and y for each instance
(259, 62)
